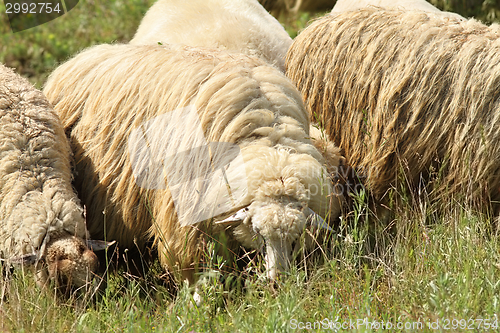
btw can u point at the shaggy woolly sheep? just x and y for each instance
(243, 26)
(247, 29)
(110, 97)
(40, 215)
(405, 91)
(418, 5)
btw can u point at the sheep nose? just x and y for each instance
(91, 260)
(278, 256)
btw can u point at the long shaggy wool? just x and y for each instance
(405, 91)
(37, 203)
(242, 26)
(407, 5)
(107, 92)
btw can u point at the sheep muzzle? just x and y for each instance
(278, 257)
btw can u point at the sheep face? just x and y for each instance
(273, 226)
(279, 224)
(70, 262)
(274, 221)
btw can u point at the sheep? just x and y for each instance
(247, 28)
(41, 218)
(407, 92)
(242, 26)
(139, 117)
(412, 5)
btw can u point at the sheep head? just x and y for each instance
(275, 221)
(69, 261)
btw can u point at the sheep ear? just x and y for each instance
(25, 259)
(98, 245)
(316, 221)
(236, 218)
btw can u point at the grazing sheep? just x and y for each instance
(242, 26)
(247, 29)
(418, 5)
(40, 215)
(139, 117)
(406, 91)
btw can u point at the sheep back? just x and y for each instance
(405, 91)
(407, 5)
(36, 196)
(241, 26)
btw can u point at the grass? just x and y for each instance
(440, 271)
(36, 52)
(430, 269)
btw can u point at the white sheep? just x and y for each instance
(411, 5)
(242, 26)
(135, 114)
(412, 99)
(40, 215)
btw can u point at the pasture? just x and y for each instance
(419, 272)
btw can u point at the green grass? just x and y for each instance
(429, 269)
(424, 268)
(37, 51)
